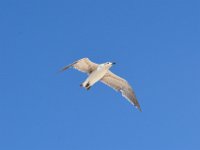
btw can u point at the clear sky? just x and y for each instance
(156, 44)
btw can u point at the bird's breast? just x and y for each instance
(97, 74)
(100, 67)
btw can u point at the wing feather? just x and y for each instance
(83, 65)
(121, 85)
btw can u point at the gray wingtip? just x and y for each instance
(67, 67)
(139, 109)
(64, 68)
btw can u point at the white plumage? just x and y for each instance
(101, 72)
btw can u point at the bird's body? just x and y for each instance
(101, 72)
(95, 76)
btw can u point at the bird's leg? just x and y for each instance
(87, 86)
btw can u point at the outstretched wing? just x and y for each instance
(83, 65)
(121, 85)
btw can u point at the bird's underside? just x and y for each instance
(95, 74)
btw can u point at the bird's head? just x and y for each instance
(109, 64)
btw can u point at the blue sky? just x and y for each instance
(156, 44)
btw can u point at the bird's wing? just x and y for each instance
(121, 85)
(83, 65)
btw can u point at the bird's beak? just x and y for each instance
(113, 63)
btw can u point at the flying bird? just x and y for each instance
(101, 72)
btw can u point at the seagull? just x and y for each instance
(101, 72)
